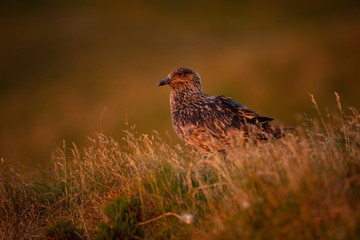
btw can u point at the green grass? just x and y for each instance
(304, 186)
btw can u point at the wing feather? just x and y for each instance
(247, 115)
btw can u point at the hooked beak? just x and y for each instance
(164, 81)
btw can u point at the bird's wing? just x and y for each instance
(229, 102)
(245, 114)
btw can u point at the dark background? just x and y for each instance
(69, 70)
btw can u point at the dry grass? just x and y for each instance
(305, 186)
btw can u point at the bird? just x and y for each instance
(213, 123)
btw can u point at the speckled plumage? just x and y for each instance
(212, 122)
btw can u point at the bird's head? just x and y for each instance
(182, 78)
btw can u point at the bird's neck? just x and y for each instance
(179, 97)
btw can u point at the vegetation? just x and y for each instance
(304, 186)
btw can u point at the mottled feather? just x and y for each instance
(213, 122)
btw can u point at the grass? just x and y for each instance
(304, 186)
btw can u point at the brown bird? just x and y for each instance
(213, 123)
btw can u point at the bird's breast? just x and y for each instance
(202, 114)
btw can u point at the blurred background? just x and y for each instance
(69, 70)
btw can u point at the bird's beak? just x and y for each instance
(164, 81)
